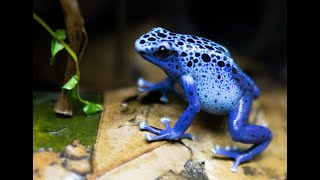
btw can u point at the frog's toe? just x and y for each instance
(168, 133)
(144, 126)
(143, 83)
(230, 152)
(164, 98)
(187, 136)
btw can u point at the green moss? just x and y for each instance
(55, 131)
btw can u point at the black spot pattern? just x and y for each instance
(221, 64)
(180, 43)
(183, 54)
(162, 35)
(234, 71)
(205, 57)
(191, 40)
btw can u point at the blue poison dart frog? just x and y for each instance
(211, 81)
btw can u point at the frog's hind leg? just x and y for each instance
(241, 131)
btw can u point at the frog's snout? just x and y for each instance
(138, 45)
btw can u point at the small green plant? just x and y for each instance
(72, 86)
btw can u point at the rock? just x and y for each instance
(121, 151)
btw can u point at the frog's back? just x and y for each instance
(220, 82)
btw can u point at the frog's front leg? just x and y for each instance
(241, 131)
(184, 121)
(164, 86)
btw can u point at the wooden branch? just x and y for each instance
(77, 39)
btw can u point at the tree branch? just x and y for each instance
(77, 38)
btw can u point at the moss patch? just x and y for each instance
(54, 131)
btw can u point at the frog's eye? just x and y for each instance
(162, 53)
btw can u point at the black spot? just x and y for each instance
(205, 96)
(142, 41)
(234, 71)
(165, 31)
(191, 93)
(190, 40)
(145, 36)
(219, 77)
(214, 60)
(224, 58)
(151, 39)
(180, 43)
(215, 101)
(199, 64)
(177, 67)
(182, 37)
(203, 76)
(161, 35)
(228, 65)
(206, 58)
(238, 80)
(221, 49)
(183, 54)
(221, 64)
(201, 47)
(194, 37)
(198, 42)
(225, 97)
(252, 135)
(188, 46)
(197, 54)
(189, 64)
(205, 40)
(209, 47)
(195, 60)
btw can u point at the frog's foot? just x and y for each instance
(164, 86)
(231, 152)
(167, 133)
(146, 86)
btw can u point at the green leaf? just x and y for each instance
(61, 33)
(92, 108)
(71, 83)
(55, 48)
(55, 45)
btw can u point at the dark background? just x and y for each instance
(253, 31)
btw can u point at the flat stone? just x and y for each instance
(121, 151)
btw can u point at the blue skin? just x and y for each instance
(211, 80)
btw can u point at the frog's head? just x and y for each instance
(158, 47)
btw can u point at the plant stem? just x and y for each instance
(68, 49)
(65, 45)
